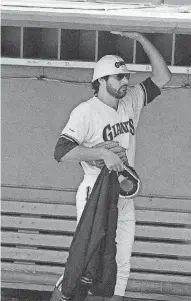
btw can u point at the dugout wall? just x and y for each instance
(46, 71)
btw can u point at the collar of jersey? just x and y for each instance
(101, 103)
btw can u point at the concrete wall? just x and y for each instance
(35, 111)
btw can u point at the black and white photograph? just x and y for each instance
(95, 150)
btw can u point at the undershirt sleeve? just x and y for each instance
(63, 146)
(150, 90)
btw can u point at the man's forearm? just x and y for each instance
(81, 153)
(160, 72)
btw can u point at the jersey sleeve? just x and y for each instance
(77, 127)
(141, 95)
(135, 96)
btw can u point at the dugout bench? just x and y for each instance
(38, 226)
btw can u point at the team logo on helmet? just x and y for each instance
(119, 64)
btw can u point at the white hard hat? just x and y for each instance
(109, 65)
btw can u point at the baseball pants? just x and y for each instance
(124, 234)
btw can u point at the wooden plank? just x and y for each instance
(61, 241)
(132, 296)
(148, 297)
(39, 194)
(49, 279)
(34, 255)
(6, 283)
(152, 297)
(165, 249)
(67, 196)
(57, 270)
(161, 264)
(22, 277)
(133, 286)
(38, 209)
(69, 210)
(16, 206)
(12, 277)
(161, 277)
(163, 233)
(32, 269)
(141, 234)
(18, 222)
(159, 217)
(59, 257)
(146, 232)
(159, 287)
(163, 204)
(40, 240)
(143, 287)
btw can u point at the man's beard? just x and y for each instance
(118, 94)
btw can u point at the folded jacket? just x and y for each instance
(91, 262)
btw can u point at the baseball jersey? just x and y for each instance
(93, 122)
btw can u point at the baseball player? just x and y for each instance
(104, 123)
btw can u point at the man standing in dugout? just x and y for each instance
(101, 131)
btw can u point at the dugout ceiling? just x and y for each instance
(76, 34)
(104, 15)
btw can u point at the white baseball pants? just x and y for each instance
(124, 235)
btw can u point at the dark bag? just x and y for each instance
(91, 265)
